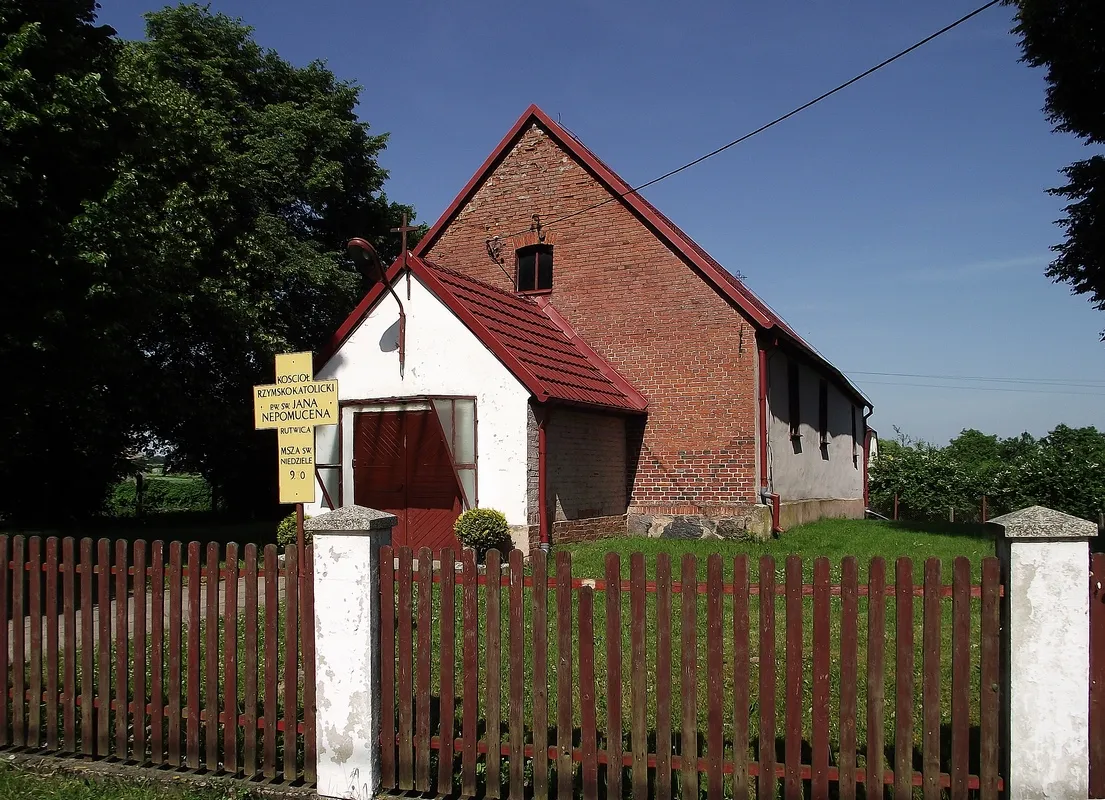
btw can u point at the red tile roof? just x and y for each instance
(714, 274)
(528, 336)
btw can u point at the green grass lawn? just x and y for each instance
(16, 784)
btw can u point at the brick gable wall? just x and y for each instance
(644, 309)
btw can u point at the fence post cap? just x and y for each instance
(1037, 522)
(351, 519)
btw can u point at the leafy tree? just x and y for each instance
(175, 214)
(230, 213)
(974, 449)
(66, 367)
(1064, 37)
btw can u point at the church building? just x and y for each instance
(588, 374)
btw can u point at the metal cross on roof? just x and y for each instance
(402, 231)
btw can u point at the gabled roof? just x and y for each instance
(719, 278)
(528, 336)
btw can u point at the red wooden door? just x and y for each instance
(401, 464)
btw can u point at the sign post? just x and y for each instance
(295, 405)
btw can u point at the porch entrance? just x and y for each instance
(402, 465)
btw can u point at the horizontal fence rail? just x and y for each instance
(161, 654)
(516, 679)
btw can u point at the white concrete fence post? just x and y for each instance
(1046, 653)
(347, 545)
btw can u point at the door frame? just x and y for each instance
(347, 408)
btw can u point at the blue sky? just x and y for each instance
(901, 225)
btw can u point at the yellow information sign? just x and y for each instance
(294, 405)
(297, 464)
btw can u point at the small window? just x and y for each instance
(823, 410)
(794, 402)
(535, 268)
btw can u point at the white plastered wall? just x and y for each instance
(443, 357)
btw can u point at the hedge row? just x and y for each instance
(160, 495)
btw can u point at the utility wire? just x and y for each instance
(1073, 382)
(983, 388)
(773, 122)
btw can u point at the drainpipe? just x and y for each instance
(542, 415)
(766, 495)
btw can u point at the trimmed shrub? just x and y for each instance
(285, 531)
(483, 529)
(160, 495)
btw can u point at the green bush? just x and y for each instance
(482, 529)
(160, 495)
(285, 531)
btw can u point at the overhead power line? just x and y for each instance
(1080, 383)
(773, 122)
(983, 388)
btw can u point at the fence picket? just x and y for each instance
(69, 613)
(741, 676)
(688, 740)
(961, 677)
(173, 686)
(819, 741)
(663, 676)
(272, 663)
(230, 662)
(795, 702)
(448, 623)
(588, 719)
(5, 662)
(638, 684)
(405, 671)
(138, 751)
(538, 565)
(766, 783)
(34, 623)
(990, 668)
(470, 704)
(103, 656)
(291, 660)
(88, 649)
(157, 653)
(493, 664)
(211, 660)
(192, 728)
(388, 778)
(715, 681)
(849, 639)
(564, 768)
(52, 643)
(930, 687)
(903, 680)
(517, 678)
(422, 672)
(614, 746)
(876, 673)
(19, 632)
(122, 655)
(249, 735)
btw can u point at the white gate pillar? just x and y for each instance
(1046, 658)
(347, 545)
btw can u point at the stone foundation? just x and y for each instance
(751, 523)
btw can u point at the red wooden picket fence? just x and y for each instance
(541, 705)
(131, 672)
